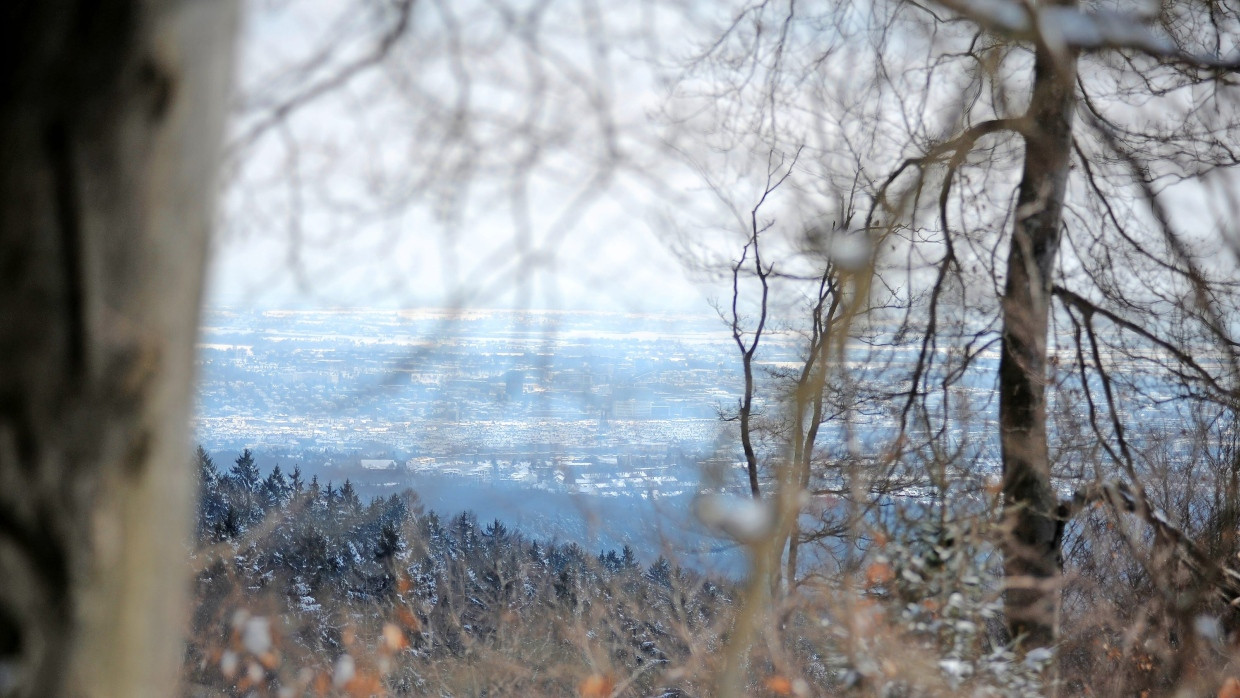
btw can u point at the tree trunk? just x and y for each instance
(1031, 550)
(110, 121)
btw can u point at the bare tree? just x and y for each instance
(109, 125)
(747, 340)
(967, 118)
(1031, 554)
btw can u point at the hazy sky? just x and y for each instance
(546, 195)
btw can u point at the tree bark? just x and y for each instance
(110, 119)
(1031, 546)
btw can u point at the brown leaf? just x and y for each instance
(879, 573)
(322, 683)
(408, 619)
(596, 686)
(779, 685)
(364, 685)
(393, 639)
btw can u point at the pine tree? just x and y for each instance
(660, 572)
(230, 524)
(212, 504)
(496, 534)
(394, 510)
(388, 545)
(275, 490)
(244, 474)
(628, 560)
(465, 532)
(295, 484)
(349, 500)
(207, 474)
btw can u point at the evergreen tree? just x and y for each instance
(296, 485)
(496, 535)
(230, 524)
(212, 503)
(465, 532)
(207, 474)
(394, 510)
(275, 490)
(432, 531)
(244, 474)
(389, 543)
(243, 484)
(660, 572)
(628, 560)
(349, 501)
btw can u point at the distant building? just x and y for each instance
(631, 409)
(378, 464)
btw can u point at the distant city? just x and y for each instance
(514, 395)
(564, 423)
(597, 403)
(520, 412)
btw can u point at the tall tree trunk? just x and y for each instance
(1031, 550)
(110, 120)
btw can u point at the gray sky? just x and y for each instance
(492, 161)
(356, 201)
